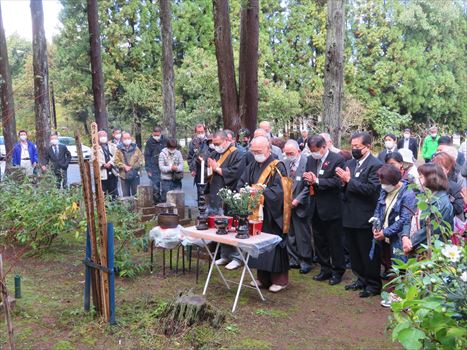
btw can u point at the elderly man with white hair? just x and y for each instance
(299, 238)
(266, 126)
(272, 266)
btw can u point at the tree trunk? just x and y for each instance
(168, 90)
(96, 65)
(334, 69)
(6, 92)
(41, 78)
(248, 67)
(225, 65)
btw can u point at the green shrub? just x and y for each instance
(35, 214)
(432, 312)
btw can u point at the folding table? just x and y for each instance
(253, 246)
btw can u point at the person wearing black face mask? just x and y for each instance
(361, 190)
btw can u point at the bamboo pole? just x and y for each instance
(101, 220)
(6, 307)
(85, 172)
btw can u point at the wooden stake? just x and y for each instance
(85, 171)
(101, 220)
(6, 307)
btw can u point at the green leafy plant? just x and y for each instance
(126, 223)
(36, 214)
(432, 311)
(384, 121)
(243, 202)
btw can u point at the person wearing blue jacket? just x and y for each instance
(25, 153)
(432, 176)
(394, 209)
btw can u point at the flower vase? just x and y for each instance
(243, 227)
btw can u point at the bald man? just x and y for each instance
(274, 149)
(272, 266)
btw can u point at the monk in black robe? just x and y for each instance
(272, 266)
(226, 163)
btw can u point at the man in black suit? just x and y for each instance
(60, 157)
(408, 142)
(361, 191)
(325, 209)
(390, 146)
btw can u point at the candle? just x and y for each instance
(202, 171)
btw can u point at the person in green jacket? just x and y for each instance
(430, 144)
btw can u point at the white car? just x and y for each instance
(2, 148)
(70, 143)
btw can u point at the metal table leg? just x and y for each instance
(211, 267)
(245, 264)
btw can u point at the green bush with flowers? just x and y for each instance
(432, 310)
(242, 203)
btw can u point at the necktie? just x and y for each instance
(56, 150)
(292, 169)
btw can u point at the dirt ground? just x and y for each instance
(309, 315)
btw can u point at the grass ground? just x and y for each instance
(309, 315)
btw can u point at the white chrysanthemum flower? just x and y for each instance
(452, 252)
(237, 196)
(464, 276)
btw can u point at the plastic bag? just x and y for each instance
(166, 238)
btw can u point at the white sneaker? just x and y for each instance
(222, 261)
(276, 288)
(252, 284)
(233, 265)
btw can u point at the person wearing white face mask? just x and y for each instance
(25, 154)
(299, 238)
(154, 145)
(325, 209)
(272, 266)
(408, 142)
(171, 166)
(389, 146)
(59, 157)
(117, 137)
(394, 209)
(108, 171)
(129, 160)
(226, 163)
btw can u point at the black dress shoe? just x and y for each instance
(354, 286)
(322, 276)
(305, 269)
(335, 279)
(294, 266)
(368, 293)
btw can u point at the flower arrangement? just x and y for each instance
(242, 203)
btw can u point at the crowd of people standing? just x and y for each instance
(337, 195)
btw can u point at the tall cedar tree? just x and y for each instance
(96, 65)
(6, 95)
(334, 69)
(41, 78)
(168, 90)
(225, 65)
(238, 109)
(248, 66)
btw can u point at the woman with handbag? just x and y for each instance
(171, 166)
(129, 160)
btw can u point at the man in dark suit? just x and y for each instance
(390, 146)
(302, 140)
(408, 142)
(299, 238)
(59, 156)
(325, 209)
(361, 190)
